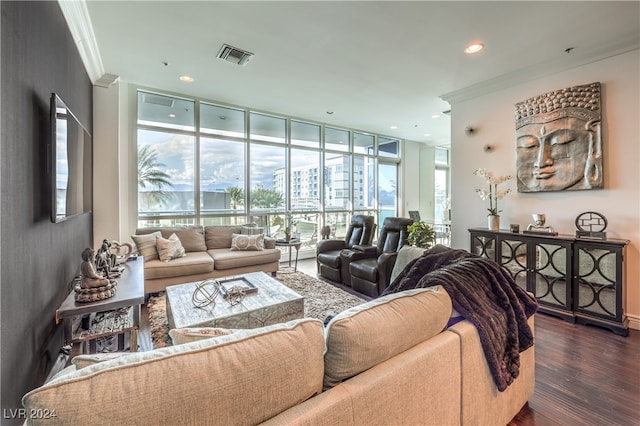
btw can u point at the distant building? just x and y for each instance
(305, 184)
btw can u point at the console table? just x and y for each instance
(578, 279)
(84, 323)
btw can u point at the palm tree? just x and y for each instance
(237, 196)
(266, 198)
(149, 174)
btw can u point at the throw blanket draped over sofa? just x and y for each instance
(484, 293)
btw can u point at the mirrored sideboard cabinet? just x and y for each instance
(578, 279)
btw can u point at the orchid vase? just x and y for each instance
(493, 222)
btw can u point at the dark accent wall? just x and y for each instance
(38, 258)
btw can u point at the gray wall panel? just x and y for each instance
(38, 258)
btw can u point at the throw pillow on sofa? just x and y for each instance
(146, 245)
(251, 230)
(85, 360)
(169, 248)
(186, 335)
(246, 377)
(368, 334)
(241, 242)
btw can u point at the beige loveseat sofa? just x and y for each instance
(208, 255)
(391, 361)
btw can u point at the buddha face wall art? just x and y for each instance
(558, 140)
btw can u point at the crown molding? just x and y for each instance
(570, 60)
(79, 22)
(106, 80)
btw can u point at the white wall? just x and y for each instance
(106, 179)
(113, 173)
(619, 201)
(427, 182)
(411, 179)
(418, 177)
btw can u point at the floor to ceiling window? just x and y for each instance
(442, 204)
(202, 163)
(387, 190)
(442, 200)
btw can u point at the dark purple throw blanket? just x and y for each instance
(484, 293)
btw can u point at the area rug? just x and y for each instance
(321, 300)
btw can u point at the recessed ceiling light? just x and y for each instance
(474, 47)
(186, 79)
(435, 116)
(172, 116)
(427, 134)
(393, 127)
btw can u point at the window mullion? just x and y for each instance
(196, 162)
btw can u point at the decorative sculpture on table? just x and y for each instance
(107, 261)
(558, 140)
(205, 293)
(591, 225)
(538, 226)
(235, 295)
(121, 250)
(90, 285)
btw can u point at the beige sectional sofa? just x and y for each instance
(208, 255)
(393, 360)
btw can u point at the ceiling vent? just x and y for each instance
(150, 98)
(234, 55)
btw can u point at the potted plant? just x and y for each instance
(421, 234)
(493, 195)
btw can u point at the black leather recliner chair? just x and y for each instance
(371, 271)
(360, 232)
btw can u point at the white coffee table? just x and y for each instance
(273, 303)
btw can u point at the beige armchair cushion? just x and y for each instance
(191, 264)
(220, 236)
(227, 259)
(243, 378)
(368, 334)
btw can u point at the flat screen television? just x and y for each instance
(70, 165)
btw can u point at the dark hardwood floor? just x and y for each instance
(585, 375)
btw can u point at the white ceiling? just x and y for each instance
(374, 64)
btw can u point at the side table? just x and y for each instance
(294, 242)
(116, 315)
